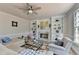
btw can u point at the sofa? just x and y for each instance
(61, 50)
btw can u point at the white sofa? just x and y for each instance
(61, 50)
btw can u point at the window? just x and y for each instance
(76, 26)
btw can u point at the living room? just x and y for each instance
(39, 28)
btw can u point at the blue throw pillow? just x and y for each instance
(6, 40)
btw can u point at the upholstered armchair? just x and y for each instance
(61, 50)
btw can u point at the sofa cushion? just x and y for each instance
(65, 42)
(59, 43)
(6, 40)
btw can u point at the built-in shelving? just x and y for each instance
(48, 29)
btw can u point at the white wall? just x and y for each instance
(6, 24)
(65, 25)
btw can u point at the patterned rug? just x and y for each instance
(33, 52)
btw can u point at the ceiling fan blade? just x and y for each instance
(37, 8)
(27, 13)
(23, 8)
(35, 12)
(27, 4)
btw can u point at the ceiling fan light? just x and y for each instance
(30, 11)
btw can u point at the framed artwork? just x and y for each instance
(14, 23)
(43, 24)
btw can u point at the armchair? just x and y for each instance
(61, 50)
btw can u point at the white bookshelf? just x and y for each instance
(56, 27)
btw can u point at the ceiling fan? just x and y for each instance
(30, 9)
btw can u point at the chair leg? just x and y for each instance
(54, 54)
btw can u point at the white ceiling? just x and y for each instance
(47, 9)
